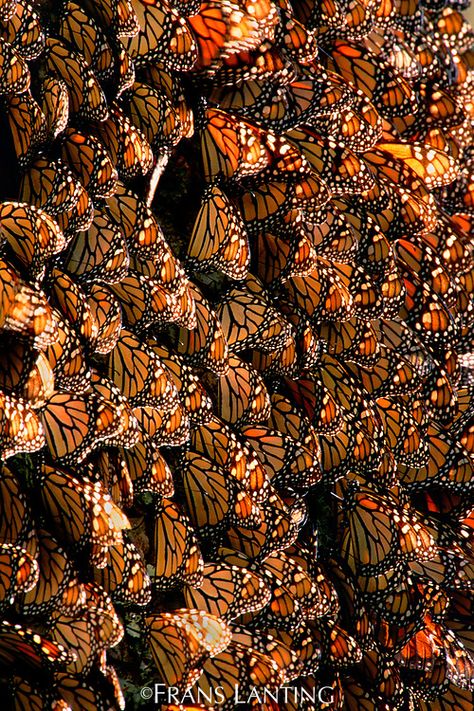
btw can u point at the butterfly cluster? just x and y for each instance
(236, 313)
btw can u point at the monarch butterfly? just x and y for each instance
(228, 591)
(407, 603)
(231, 147)
(205, 344)
(376, 690)
(219, 240)
(78, 217)
(341, 169)
(300, 584)
(82, 32)
(180, 112)
(404, 161)
(27, 125)
(36, 652)
(288, 463)
(335, 643)
(217, 442)
(164, 426)
(168, 272)
(281, 107)
(192, 394)
(50, 185)
(297, 41)
(322, 295)
(55, 573)
(249, 320)
(271, 646)
(375, 253)
(435, 500)
(458, 622)
(177, 554)
(126, 434)
(359, 128)
(124, 576)
(154, 116)
(24, 694)
(334, 376)
(180, 641)
(354, 340)
(416, 209)
(398, 52)
(426, 313)
(106, 56)
(38, 385)
(373, 298)
(264, 62)
(267, 203)
(100, 252)
(108, 464)
(242, 396)
(7, 9)
(139, 373)
(391, 374)
(144, 301)
(142, 231)
(451, 696)
(89, 160)
(147, 468)
(304, 554)
(118, 15)
(423, 261)
(127, 146)
(333, 235)
(81, 512)
(66, 358)
(404, 432)
(366, 455)
(21, 429)
(15, 77)
(440, 110)
(24, 310)
(98, 688)
(91, 630)
(351, 606)
(86, 97)
(453, 29)
(460, 198)
(451, 568)
(283, 362)
(19, 573)
(317, 403)
(287, 419)
(431, 642)
(239, 667)
(186, 7)
(54, 102)
(31, 233)
(70, 300)
(378, 533)
(214, 499)
(362, 16)
(15, 513)
(383, 86)
(277, 260)
(314, 14)
(278, 529)
(222, 30)
(163, 36)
